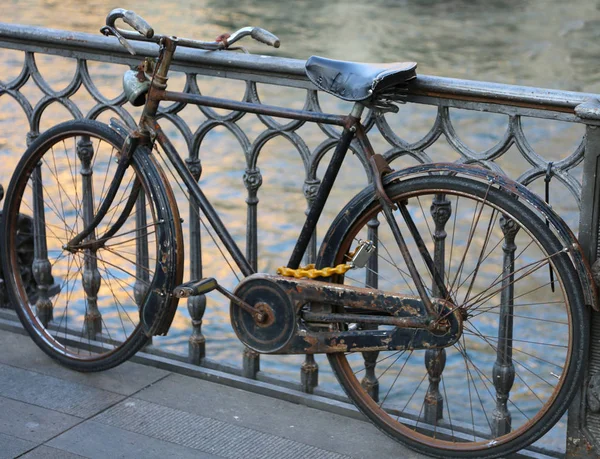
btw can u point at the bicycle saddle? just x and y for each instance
(353, 81)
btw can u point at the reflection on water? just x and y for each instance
(551, 44)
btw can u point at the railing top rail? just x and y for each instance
(289, 72)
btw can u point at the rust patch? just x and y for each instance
(411, 310)
(164, 256)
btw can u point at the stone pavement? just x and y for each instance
(135, 410)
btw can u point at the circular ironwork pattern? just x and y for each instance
(375, 123)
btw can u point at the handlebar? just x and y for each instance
(138, 23)
(146, 33)
(266, 37)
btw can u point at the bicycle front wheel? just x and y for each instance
(514, 370)
(83, 307)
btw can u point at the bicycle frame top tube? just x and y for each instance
(158, 93)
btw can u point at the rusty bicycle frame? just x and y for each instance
(149, 129)
(432, 316)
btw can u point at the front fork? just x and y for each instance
(131, 143)
(133, 139)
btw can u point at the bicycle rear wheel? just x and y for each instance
(83, 307)
(515, 368)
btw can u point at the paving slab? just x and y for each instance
(31, 422)
(314, 427)
(95, 440)
(141, 411)
(47, 411)
(206, 434)
(125, 379)
(13, 447)
(45, 452)
(54, 393)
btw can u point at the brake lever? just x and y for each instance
(108, 30)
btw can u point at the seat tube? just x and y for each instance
(326, 185)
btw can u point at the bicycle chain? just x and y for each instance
(310, 271)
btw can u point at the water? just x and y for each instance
(548, 44)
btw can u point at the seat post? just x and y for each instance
(357, 110)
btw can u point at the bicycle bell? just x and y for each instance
(136, 85)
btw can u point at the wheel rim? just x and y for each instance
(78, 330)
(470, 399)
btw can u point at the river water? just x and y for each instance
(551, 43)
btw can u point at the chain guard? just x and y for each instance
(281, 300)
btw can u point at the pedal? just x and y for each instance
(362, 254)
(195, 287)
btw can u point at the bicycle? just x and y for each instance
(468, 310)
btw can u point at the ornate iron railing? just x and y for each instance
(451, 99)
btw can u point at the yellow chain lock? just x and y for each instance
(310, 271)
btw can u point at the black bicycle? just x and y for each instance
(436, 288)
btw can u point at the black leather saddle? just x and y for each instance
(353, 81)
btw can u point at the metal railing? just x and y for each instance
(513, 104)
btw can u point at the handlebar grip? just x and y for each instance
(138, 23)
(264, 36)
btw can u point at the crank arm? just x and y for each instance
(208, 284)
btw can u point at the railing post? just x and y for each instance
(252, 181)
(41, 267)
(309, 371)
(196, 304)
(91, 275)
(583, 433)
(503, 372)
(3, 292)
(435, 359)
(370, 382)
(309, 374)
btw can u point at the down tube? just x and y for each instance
(201, 199)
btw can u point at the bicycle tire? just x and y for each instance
(462, 418)
(83, 307)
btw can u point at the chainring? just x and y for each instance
(274, 303)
